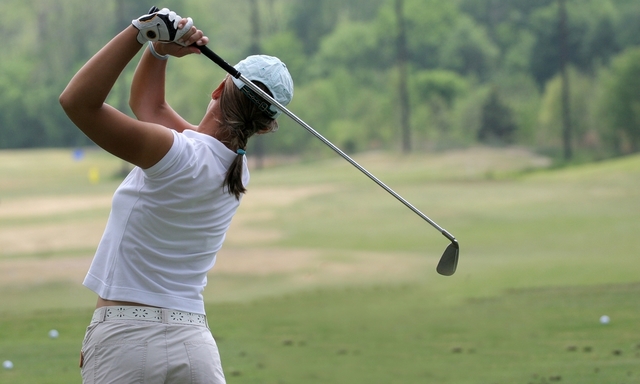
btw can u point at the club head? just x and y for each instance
(449, 260)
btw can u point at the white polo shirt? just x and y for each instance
(165, 227)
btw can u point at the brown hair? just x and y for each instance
(242, 118)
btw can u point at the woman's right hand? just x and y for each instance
(177, 50)
(183, 46)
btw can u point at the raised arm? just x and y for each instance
(147, 100)
(140, 143)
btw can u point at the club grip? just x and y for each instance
(218, 60)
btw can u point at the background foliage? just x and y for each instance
(465, 58)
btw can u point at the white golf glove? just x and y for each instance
(160, 25)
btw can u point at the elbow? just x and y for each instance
(71, 101)
(138, 105)
(73, 105)
(69, 106)
(134, 105)
(66, 102)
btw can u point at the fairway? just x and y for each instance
(325, 278)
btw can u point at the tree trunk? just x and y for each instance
(564, 57)
(403, 94)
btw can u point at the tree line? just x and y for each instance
(415, 75)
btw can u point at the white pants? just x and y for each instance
(126, 351)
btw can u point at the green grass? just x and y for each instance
(386, 334)
(396, 335)
(54, 172)
(543, 255)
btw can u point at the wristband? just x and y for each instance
(156, 54)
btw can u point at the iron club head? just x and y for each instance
(449, 260)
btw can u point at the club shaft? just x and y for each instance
(232, 71)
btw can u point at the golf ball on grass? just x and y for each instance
(604, 319)
(53, 334)
(7, 364)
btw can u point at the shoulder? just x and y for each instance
(191, 149)
(211, 144)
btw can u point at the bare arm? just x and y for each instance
(147, 100)
(140, 143)
(83, 100)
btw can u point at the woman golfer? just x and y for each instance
(170, 215)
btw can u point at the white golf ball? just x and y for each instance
(53, 334)
(604, 319)
(7, 364)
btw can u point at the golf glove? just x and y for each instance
(160, 25)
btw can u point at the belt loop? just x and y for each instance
(102, 314)
(165, 316)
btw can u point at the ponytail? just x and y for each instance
(242, 118)
(233, 179)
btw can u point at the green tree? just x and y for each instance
(589, 40)
(56, 37)
(507, 23)
(428, 24)
(352, 45)
(312, 20)
(497, 125)
(621, 101)
(468, 50)
(444, 84)
(434, 94)
(627, 23)
(592, 132)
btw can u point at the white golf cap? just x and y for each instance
(271, 72)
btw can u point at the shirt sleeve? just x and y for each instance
(169, 159)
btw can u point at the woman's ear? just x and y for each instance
(215, 95)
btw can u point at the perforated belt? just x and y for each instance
(158, 315)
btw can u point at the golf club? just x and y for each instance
(449, 260)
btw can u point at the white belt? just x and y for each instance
(158, 315)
